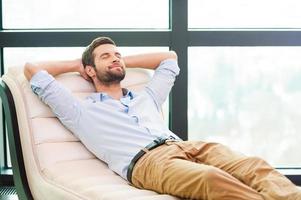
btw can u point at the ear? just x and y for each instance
(90, 71)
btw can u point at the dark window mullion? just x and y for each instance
(76, 38)
(244, 38)
(179, 43)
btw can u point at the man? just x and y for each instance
(125, 129)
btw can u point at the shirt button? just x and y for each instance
(136, 118)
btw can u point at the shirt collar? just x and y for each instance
(101, 96)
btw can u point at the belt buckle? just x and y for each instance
(160, 140)
(171, 139)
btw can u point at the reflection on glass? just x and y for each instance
(85, 14)
(244, 14)
(8, 155)
(248, 98)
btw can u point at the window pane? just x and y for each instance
(34, 54)
(85, 14)
(244, 14)
(248, 98)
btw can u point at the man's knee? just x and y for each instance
(256, 162)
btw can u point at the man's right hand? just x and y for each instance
(81, 70)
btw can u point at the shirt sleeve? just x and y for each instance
(163, 80)
(63, 104)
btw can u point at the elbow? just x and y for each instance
(29, 70)
(173, 55)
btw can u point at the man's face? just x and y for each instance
(109, 65)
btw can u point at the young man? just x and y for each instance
(126, 130)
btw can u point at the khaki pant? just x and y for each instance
(199, 170)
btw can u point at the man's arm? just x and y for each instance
(54, 68)
(166, 69)
(148, 61)
(63, 104)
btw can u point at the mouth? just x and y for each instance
(115, 66)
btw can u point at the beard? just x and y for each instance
(111, 76)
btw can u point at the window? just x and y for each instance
(40, 14)
(244, 14)
(35, 54)
(247, 98)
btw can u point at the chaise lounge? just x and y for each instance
(48, 161)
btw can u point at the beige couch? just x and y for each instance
(56, 164)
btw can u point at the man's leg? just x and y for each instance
(252, 171)
(167, 169)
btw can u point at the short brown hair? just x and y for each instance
(88, 56)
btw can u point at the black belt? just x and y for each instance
(157, 142)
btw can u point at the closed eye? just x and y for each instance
(118, 55)
(105, 55)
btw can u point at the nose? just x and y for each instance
(116, 58)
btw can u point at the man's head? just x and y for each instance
(103, 61)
